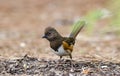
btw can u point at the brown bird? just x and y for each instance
(63, 46)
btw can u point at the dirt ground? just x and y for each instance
(22, 24)
(42, 67)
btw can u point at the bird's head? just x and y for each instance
(51, 34)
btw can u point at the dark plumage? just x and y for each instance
(61, 45)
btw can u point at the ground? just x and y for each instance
(42, 67)
(22, 25)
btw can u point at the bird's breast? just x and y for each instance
(61, 51)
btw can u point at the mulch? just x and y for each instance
(43, 67)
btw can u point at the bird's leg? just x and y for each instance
(59, 62)
(70, 56)
(71, 60)
(60, 57)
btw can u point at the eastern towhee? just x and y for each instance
(63, 46)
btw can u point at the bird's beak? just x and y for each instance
(44, 36)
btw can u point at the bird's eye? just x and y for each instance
(48, 33)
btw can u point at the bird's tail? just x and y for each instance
(77, 28)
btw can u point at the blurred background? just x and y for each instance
(22, 24)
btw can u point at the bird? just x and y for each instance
(63, 46)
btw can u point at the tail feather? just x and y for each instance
(77, 28)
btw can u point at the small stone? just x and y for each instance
(22, 44)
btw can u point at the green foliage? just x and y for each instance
(111, 14)
(95, 15)
(114, 6)
(92, 17)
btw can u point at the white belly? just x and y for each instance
(61, 51)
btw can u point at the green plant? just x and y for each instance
(114, 7)
(92, 17)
